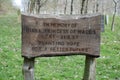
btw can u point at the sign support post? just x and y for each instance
(90, 68)
(28, 68)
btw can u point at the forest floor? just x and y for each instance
(56, 68)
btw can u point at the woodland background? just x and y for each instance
(66, 67)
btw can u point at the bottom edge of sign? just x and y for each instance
(57, 55)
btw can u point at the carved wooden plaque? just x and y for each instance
(48, 35)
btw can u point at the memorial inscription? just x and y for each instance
(60, 36)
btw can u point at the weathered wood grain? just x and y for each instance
(48, 35)
(28, 69)
(90, 68)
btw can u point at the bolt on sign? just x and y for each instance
(48, 35)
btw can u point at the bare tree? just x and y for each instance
(113, 19)
(86, 7)
(97, 5)
(82, 7)
(65, 8)
(34, 6)
(71, 11)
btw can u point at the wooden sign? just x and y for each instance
(48, 35)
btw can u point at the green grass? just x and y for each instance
(10, 45)
(56, 68)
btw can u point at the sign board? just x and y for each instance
(48, 35)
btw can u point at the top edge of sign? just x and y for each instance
(62, 16)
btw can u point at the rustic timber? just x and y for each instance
(28, 69)
(40, 40)
(60, 35)
(90, 68)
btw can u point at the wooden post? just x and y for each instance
(28, 69)
(90, 68)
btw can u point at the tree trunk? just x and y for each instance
(65, 8)
(84, 7)
(71, 11)
(113, 19)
